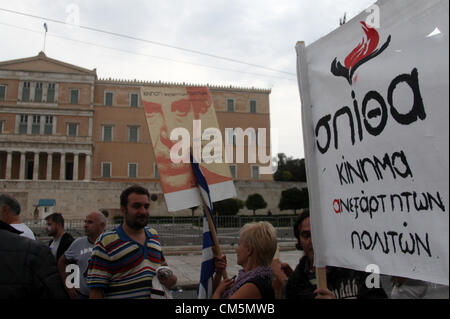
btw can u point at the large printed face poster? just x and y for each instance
(190, 108)
(375, 112)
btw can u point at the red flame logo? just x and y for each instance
(364, 52)
(365, 48)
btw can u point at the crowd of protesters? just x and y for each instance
(128, 262)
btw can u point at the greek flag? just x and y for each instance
(205, 289)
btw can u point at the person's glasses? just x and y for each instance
(306, 234)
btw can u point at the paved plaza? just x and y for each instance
(186, 262)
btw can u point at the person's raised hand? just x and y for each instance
(220, 264)
(322, 293)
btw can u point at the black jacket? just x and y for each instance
(344, 283)
(66, 241)
(27, 268)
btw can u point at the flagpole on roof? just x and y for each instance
(45, 35)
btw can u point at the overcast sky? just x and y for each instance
(259, 32)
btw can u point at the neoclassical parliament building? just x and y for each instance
(74, 140)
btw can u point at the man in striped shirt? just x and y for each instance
(124, 260)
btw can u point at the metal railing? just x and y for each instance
(184, 231)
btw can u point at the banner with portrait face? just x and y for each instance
(187, 115)
(375, 118)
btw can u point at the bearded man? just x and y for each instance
(125, 260)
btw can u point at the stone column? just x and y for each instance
(87, 171)
(42, 122)
(36, 166)
(22, 166)
(75, 166)
(8, 165)
(62, 168)
(30, 121)
(49, 166)
(91, 125)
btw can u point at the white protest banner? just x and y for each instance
(375, 117)
(179, 119)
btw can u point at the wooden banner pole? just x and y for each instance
(321, 276)
(216, 249)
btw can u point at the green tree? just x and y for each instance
(294, 198)
(228, 207)
(255, 202)
(343, 20)
(287, 176)
(290, 169)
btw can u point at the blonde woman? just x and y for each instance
(257, 246)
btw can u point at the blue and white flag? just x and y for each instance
(205, 289)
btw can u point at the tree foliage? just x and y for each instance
(290, 169)
(255, 202)
(294, 198)
(228, 207)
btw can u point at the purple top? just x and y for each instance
(260, 276)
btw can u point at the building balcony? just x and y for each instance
(44, 139)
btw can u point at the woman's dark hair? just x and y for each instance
(297, 223)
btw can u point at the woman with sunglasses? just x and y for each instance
(302, 283)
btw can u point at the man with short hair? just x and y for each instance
(301, 283)
(9, 213)
(79, 253)
(61, 240)
(125, 260)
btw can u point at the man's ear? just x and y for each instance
(122, 210)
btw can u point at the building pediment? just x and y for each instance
(42, 63)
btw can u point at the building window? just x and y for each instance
(23, 124)
(48, 127)
(107, 133)
(230, 105)
(72, 129)
(252, 106)
(233, 170)
(155, 169)
(1, 127)
(254, 140)
(132, 170)
(74, 93)
(36, 125)
(106, 170)
(133, 133)
(109, 98)
(51, 93)
(134, 99)
(26, 92)
(255, 172)
(2, 92)
(38, 92)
